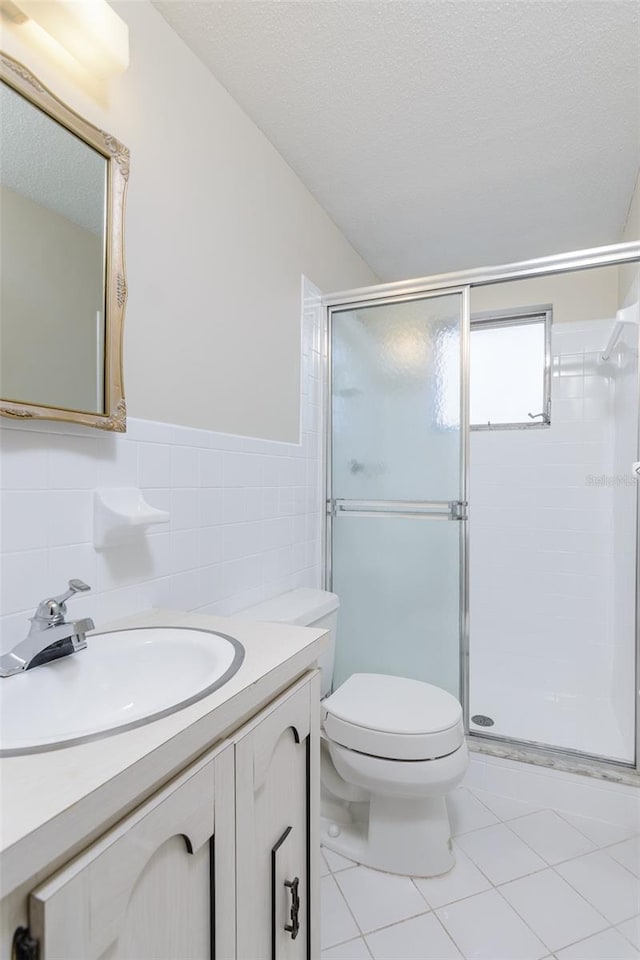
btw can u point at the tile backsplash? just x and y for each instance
(245, 514)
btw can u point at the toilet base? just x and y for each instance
(408, 837)
(390, 815)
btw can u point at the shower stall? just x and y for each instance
(482, 498)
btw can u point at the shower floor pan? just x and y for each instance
(585, 724)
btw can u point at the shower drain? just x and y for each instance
(481, 721)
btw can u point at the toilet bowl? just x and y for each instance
(392, 749)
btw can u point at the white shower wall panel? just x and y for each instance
(542, 559)
(624, 524)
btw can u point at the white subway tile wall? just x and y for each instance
(245, 513)
(626, 417)
(543, 505)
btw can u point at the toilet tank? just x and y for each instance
(305, 607)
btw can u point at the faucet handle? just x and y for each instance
(75, 586)
(53, 609)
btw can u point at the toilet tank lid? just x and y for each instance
(303, 606)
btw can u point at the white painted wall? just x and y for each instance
(629, 275)
(245, 514)
(576, 297)
(218, 232)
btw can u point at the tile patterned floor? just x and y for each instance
(528, 884)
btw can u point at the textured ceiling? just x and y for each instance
(440, 134)
(45, 162)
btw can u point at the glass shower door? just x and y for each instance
(397, 486)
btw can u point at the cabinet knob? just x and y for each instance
(294, 927)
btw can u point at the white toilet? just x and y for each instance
(392, 749)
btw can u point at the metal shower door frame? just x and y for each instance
(453, 510)
(571, 761)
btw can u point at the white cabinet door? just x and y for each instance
(146, 890)
(276, 790)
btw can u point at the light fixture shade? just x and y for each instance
(89, 30)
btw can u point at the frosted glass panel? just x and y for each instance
(507, 373)
(398, 583)
(396, 401)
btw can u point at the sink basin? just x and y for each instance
(123, 679)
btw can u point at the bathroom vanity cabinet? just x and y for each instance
(217, 864)
(220, 863)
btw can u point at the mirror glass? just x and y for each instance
(53, 203)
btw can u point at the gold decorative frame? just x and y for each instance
(17, 76)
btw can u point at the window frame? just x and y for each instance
(518, 316)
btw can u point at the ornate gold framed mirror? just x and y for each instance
(63, 286)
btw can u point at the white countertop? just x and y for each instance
(53, 804)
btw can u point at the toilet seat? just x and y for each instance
(393, 718)
(397, 778)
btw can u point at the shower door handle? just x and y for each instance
(405, 509)
(635, 469)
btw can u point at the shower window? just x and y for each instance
(510, 369)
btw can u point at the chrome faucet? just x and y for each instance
(51, 636)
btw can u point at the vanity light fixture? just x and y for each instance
(90, 30)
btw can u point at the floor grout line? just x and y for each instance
(508, 821)
(624, 934)
(385, 926)
(334, 873)
(596, 848)
(533, 849)
(526, 923)
(553, 867)
(537, 935)
(588, 937)
(563, 815)
(481, 801)
(394, 923)
(343, 943)
(351, 914)
(610, 925)
(450, 935)
(529, 873)
(413, 881)
(497, 886)
(355, 920)
(549, 866)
